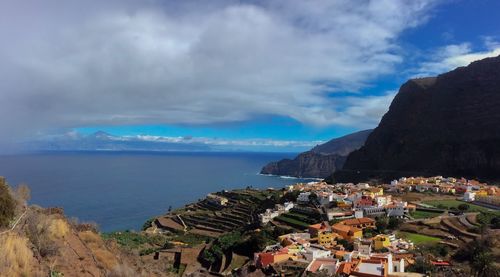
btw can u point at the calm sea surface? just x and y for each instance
(120, 190)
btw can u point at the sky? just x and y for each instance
(282, 74)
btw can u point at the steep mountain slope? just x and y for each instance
(321, 161)
(447, 125)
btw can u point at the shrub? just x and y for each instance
(42, 232)
(7, 204)
(463, 207)
(147, 224)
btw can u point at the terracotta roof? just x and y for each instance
(356, 221)
(345, 268)
(317, 263)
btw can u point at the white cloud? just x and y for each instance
(72, 63)
(455, 55)
(254, 142)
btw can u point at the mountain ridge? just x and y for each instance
(321, 160)
(447, 124)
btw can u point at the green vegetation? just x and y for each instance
(454, 204)
(292, 222)
(132, 240)
(424, 214)
(491, 219)
(300, 217)
(419, 239)
(190, 239)
(180, 270)
(221, 245)
(381, 224)
(480, 255)
(147, 224)
(7, 204)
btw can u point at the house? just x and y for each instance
(327, 239)
(295, 238)
(325, 198)
(267, 216)
(311, 253)
(370, 268)
(315, 229)
(374, 192)
(363, 246)
(338, 214)
(381, 201)
(469, 196)
(217, 199)
(264, 259)
(303, 197)
(374, 211)
(391, 264)
(398, 209)
(381, 242)
(328, 266)
(360, 223)
(347, 232)
(363, 202)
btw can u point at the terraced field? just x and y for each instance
(452, 203)
(205, 218)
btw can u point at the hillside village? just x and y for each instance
(347, 229)
(411, 227)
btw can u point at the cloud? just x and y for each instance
(455, 55)
(252, 142)
(68, 64)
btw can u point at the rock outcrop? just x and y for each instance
(446, 125)
(321, 161)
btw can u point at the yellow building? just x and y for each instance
(327, 238)
(481, 193)
(373, 192)
(347, 232)
(381, 241)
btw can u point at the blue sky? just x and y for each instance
(298, 72)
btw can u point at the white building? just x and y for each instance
(374, 211)
(398, 209)
(325, 198)
(312, 253)
(469, 196)
(267, 216)
(358, 214)
(304, 197)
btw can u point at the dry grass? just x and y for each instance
(90, 238)
(16, 258)
(122, 271)
(106, 258)
(57, 228)
(43, 231)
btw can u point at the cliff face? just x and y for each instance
(447, 125)
(321, 161)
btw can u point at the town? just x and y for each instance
(346, 229)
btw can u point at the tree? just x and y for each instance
(7, 204)
(381, 224)
(23, 193)
(463, 207)
(479, 253)
(394, 223)
(421, 265)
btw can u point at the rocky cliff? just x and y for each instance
(446, 125)
(321, 161)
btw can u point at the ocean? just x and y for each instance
(121, 190)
